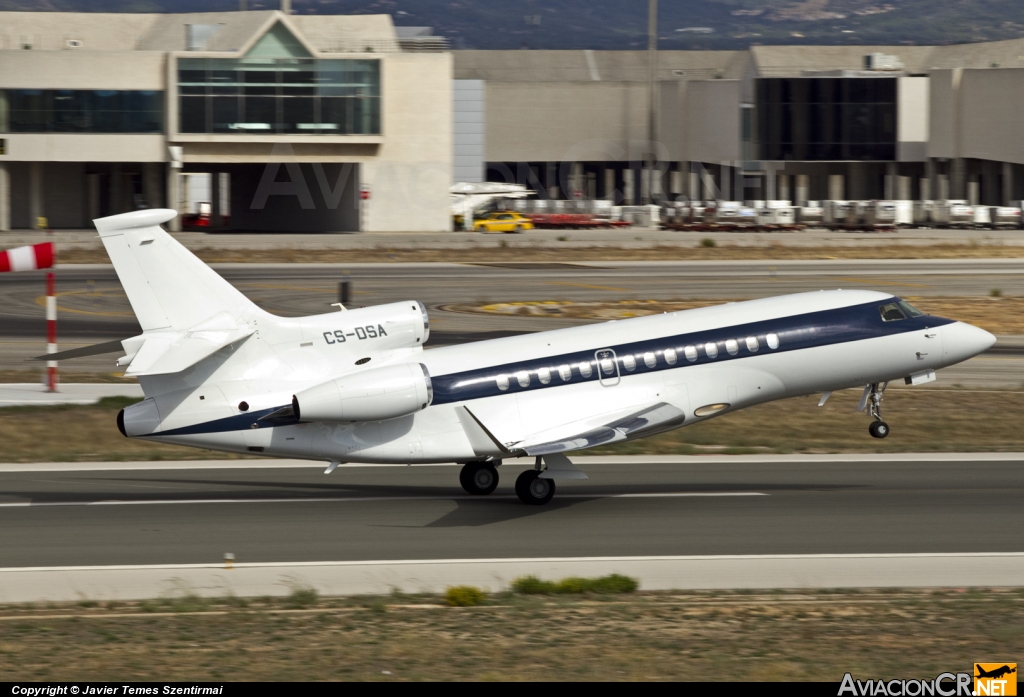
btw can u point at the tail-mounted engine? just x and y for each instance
(369, 395)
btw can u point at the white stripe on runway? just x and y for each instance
(358, 499)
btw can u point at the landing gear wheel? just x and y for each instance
(479, 478)
(879, 429)
(533, 490)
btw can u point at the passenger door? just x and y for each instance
(607, 367)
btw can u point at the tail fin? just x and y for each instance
(168, 287)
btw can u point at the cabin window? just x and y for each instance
(628, 362)
(585, 369)
(691, 353)
(650, 360)
(503, 382)
(565, 372)
(524, 378)
(608, 367)
(732, 347)
(711, 349)
(773, 341)
(670, 356)
(544, 375)
(752, 344)
(891, 312)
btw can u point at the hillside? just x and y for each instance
(622, 24)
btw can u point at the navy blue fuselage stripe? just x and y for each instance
(795, 332)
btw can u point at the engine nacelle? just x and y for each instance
(369, 395)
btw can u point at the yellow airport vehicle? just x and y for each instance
(502, 221)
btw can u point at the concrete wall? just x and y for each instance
(409, 178)
(713, 121)
(992, 106)
(83, 70)
(85, 147)
(912, 107)
(468, 130)
(565, 121)
(942, 116)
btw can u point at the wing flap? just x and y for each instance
(657, 417)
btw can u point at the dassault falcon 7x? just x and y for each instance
(357, 386)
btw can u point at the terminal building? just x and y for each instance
(303, 123)
(347, 123)
(790, 122)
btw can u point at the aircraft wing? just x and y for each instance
(651, 419)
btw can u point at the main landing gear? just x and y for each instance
(479, 478)
(533, 489)
(873, 395)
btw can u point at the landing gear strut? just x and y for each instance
(479, 478)
(878, 429)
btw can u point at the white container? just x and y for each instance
(776, 216)
(904, 212)
(982, 216)
(840, 214)
(923, 213)
(811, 215)
(953, 214)
(1006, 217)
(877, 215)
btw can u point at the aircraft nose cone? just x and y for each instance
(961, 341)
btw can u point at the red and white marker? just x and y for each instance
(30, 258)
(51, 331)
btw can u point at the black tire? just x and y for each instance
(518, 230)
(879, 429)
(533, 490)
(479, 478)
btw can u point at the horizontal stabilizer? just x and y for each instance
(172, 352)
(650, 419)
(82, 352)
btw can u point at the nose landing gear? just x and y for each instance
(873, 397)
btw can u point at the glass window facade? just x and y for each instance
(81, 111)
(842, 118)
(279, 95)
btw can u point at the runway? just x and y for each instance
(631, 507)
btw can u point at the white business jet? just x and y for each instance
(357, 386)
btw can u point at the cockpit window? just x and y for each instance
(910, 309)
(891, 312)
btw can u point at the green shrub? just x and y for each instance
(464, 596)
(302, 597)
(531, 585)
(707, 242)
(614, 583)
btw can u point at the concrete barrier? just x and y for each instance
(18, 585)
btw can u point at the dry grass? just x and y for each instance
(999, 315)
(687, 250)
(922, 420)
(735, 636)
